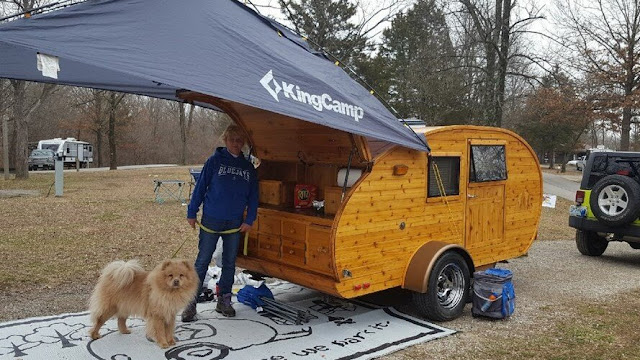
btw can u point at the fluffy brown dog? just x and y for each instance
(125, 289)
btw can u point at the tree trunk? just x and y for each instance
(113, 106)
(626, 128)
(5, 146)
(99, 146)
(98, 116)
(563, 167)
(114, 102)
(502, 60)
(21, 130)
(183, 135)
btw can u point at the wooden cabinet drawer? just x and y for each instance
(293, 251)
(319, 251)
(269, 246)
(294, 230)
(269, 225)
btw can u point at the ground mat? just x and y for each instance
(338, 329)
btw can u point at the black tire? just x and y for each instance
(615, 200)
(447, 291)
(590, 243)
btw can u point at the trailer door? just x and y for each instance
(485, 193)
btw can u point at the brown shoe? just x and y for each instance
(224, 306)
(189, 313)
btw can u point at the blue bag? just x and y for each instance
(250, 295)
(493, 293)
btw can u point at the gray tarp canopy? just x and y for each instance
(219, 48)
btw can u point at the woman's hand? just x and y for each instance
(245, 227)
(192, 223)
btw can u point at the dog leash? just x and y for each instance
(224, 232)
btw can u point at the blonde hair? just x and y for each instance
(232, 130)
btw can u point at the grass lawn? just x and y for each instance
(107, 215)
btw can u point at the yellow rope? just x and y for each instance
(230, 231)
(443, 194)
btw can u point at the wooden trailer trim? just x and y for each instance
(418, 271)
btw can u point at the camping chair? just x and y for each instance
(168, 189)
(195, 175)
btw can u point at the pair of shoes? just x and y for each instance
(189, 313)
(224, 306)
(207, 295)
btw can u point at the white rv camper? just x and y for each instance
(70, 150)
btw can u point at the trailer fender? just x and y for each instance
(416, 275)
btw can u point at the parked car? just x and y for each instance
(608, 202)
(578, 163)
(41, 159)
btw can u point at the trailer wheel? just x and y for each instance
(590, 243)
(447, 290)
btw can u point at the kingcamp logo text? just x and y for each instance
(319, 102)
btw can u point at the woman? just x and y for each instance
(227, 186)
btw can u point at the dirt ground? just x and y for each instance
(51, 250)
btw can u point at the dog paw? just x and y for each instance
(163, 345)
(94, 335)
(172, 342)
(125, 331)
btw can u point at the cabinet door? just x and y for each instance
(319, 250)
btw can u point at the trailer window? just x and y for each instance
(449, 168)
(488, 163)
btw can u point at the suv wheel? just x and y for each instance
(590, 243)
(615, 200)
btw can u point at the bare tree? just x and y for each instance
(22, 108)
(5, 127)
(185, 129)
(606, 34)
(113, 102)
(495, 27)
(21, 115)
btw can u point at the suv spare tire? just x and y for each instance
(615, 200)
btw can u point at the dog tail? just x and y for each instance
(121, 273)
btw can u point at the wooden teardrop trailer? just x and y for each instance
(392, 227)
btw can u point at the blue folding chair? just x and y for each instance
(195, 175)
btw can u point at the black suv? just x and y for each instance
(608, 202)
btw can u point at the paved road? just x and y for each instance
(125, 167)
(561, 185)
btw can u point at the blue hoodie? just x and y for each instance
(226, 186)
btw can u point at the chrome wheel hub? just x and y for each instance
(451, 286)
